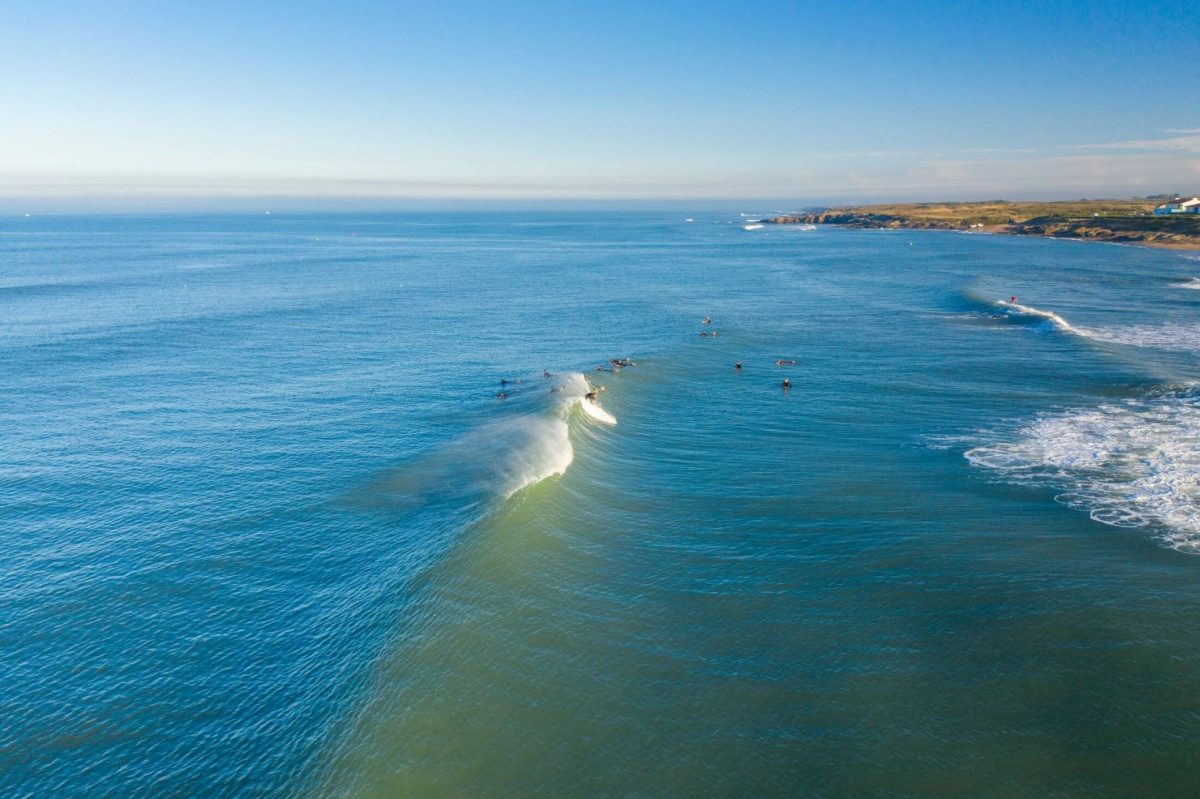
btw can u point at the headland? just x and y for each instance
(1129, 221)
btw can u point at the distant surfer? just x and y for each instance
(546, 374)
(590, 396)
(786, 384)
(1012, 300)
(501, 395)
(738, 366)
(782, 362)
(706, 320)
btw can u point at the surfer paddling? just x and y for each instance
(782, 362)
(786, 384)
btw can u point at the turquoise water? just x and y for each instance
(268, 531)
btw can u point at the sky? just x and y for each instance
(142, 105)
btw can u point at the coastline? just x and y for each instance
(1112, 221)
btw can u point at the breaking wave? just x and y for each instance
(1056, 321)
(1129, 464)
(1176, 337)
(497, 458)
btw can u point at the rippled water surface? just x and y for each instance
(268, 530)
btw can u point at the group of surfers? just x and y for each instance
(616, 364)
(787, 382)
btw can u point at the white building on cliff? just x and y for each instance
(1179, 206)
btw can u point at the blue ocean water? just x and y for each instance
(268, 530)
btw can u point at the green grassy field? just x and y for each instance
(1007, 213)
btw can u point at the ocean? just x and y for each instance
(268, 529)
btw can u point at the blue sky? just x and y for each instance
(129, 103)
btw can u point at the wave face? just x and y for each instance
(1130, 464)
(1193, 284)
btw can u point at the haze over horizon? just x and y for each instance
(232, 105)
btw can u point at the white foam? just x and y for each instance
(1194, 284)
(1173, 336)
(574, 391)
(1028, 310)
(752, 227)
(593, 409)
(1130, 464)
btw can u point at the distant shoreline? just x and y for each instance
(1113, 221)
